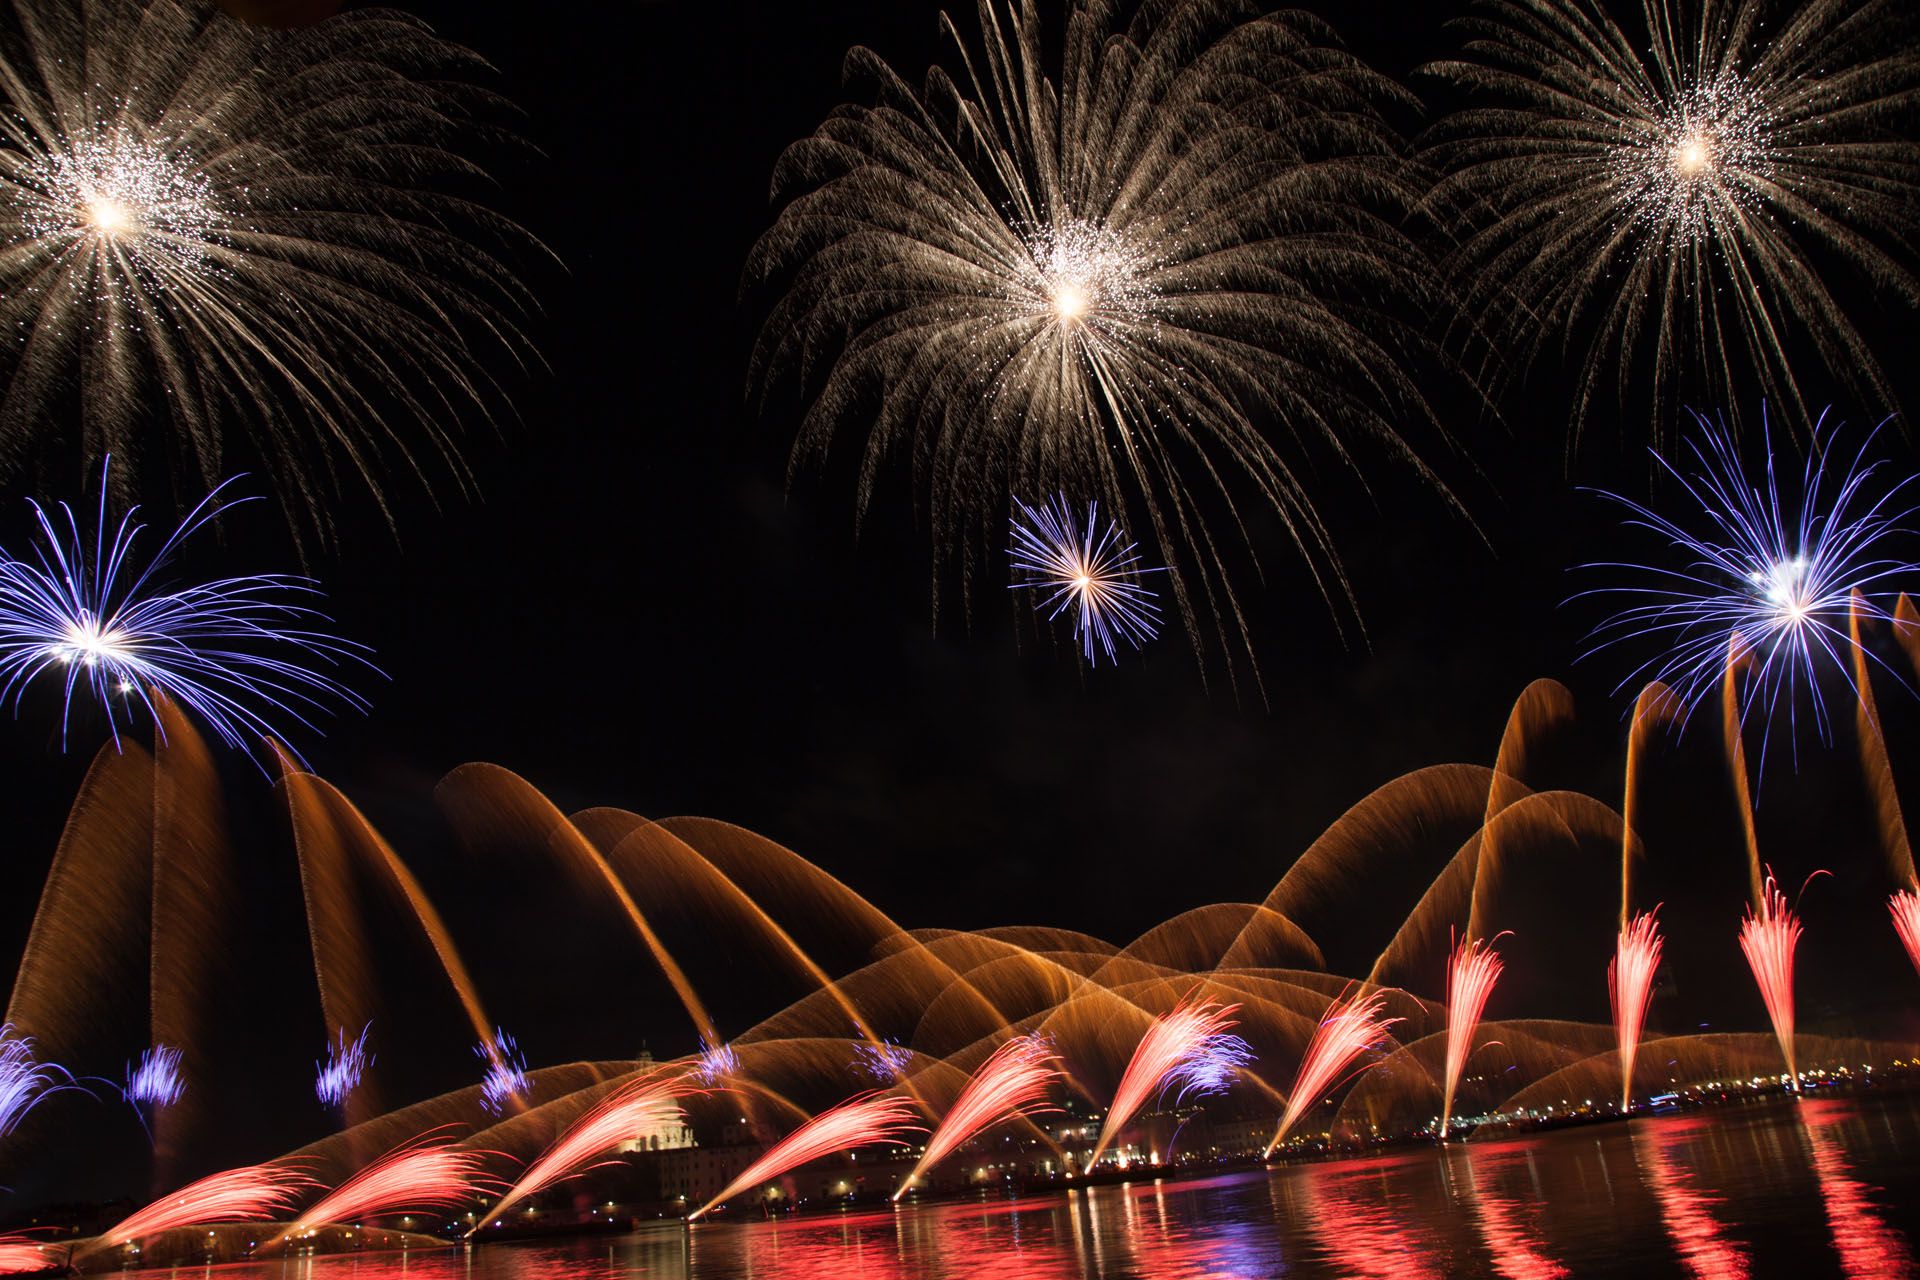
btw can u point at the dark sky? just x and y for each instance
(637, 610)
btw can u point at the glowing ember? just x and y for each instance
(636, 1110)
(1188, 1049)
(1350, 1029)
(1636, 958)
(1471, 972)
(875, 1119)
(427, 1173)
(256, 1193)
(1768, 936)
(1905, 906)
(1010, 1083)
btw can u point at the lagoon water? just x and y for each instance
(1817, 1187)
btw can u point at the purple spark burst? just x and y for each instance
(884, 1062)
(717, 1062)
(1095, 573)
(1208, 1068)
(506, 1076)
(153, 1080)
(339, 1074)
(1760, 578)
(25, 1081)
(88, 611)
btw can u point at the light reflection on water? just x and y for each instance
(1818, 1187)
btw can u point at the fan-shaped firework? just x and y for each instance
(1759, 578)
(154, 1079)
(1661, 197)
(1129, 280)
(253, 229)
(1094, 573)
(25, 1081)
(96, 615)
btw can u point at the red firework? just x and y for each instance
(1192, 1039)
(636, 1110)
(428, 1173)
(1351, 1028)
(256, 1193)
(22, 1254)
(1636, 958)
(1013, 1082)
(1905, 906)
(872, 1119)
(1471, 972)
(1769, 935)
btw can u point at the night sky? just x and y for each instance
(637, 609)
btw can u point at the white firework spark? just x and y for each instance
(1663, 202)
(1160, 275)
(1092, 571)
(248, 237)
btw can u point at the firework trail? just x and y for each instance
(1128, 281)
(95, 614)
(1905, 906)
(256, 1193)
(1654, 707)
(1768, 936)
(870, 1120)
(23, 1255)
(25, 1081)
(635, 1110)
(1011, 1083)
(1189, 1050)
(1660, 198)
(882, 1060)
(1472, 970)
(1636, 958)
(1097, 575)
(250, 229)
(428, 1173)
(339, 1075)
(1350, 1029)
(505, 1081)
(717, 1063)
(1776, 580)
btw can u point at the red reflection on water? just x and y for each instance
(1503, 1226)
(1362, 1234)
(1866, 1244)
(1697, 1235)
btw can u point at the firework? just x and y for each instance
(506, 1075)
(247, 228)
(22, 1255)
(1636, 958)
(1472, 970)
(154, 1080)
(636, 1110)
(427, 1173)
(1189, 1050)
(1013, 1082)
(339, 1075)
(92, 613)
(717, 1062)
(1660, 197)
(1768, 936)
(256, 1193)
(1905, 906)
(25, 1081)
(1129, 281)
(1774, 580)
(882, 1060)
(866, 1121)
(1095, 574)
(1351, 1028)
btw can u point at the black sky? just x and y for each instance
(638, 611)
